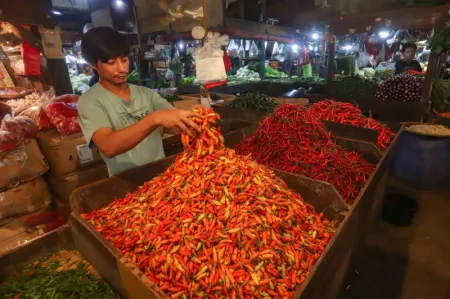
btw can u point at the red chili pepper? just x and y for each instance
(306, 150)
(346, 113)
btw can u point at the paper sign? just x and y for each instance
(84, 153)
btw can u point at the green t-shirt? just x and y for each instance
(99, 108)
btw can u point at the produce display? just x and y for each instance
(191, 80)
(293, 139)
(383, 74)
(63, 275)
(30, 100)
(216, 224)
(172, 98)
(39, 117)
(64, 116)
(273, 73)
(429, 130)
(11, 92)
(347, 113)
(440, 95)
(348, 87)
(366, 72)
(401, 88)
(80, 83)
(22, 126)
(440, 44)
(254, 101)
(246, 74)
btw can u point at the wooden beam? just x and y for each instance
(331, 45)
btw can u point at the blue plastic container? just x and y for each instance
(422, 160)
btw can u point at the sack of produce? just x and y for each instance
(25, 198)
(9, 140)
(64, 116)
(67, 98)
(39, 117)
(21, 164)
(31, 100)
(20, 125)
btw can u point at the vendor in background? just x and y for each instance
(408, 62)
(121, 119)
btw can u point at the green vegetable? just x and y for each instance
(440, 95)
(440, 43)
(348, 87)
(60, 276)
(254, 65)
(271, 72)
(254, 101)
(188, 80)
(133, 76)
(172, 98)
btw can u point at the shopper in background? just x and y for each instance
(122, 119)
(408, 62)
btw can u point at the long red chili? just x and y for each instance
(293, 139)
(347, 113)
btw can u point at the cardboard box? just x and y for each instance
(62, 187)
(67, 154)
(16, 233)
(186, 104)
(192, 99)
(25, 198)
(21, 164)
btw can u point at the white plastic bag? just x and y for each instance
(209, 59)
(247, 45)
(241, 50)
(275, 50)
(253, 52)
(232, 49)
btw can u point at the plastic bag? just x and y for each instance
(275, 50)
(64, 116)
(39, 117)
(31, 59)
(232, 49)
(253, 50)
(9, 140)
(209, 59)
(241, 50)
(66, 98)
(21, 125)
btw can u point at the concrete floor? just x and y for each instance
(410, 262)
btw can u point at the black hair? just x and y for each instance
(103, 43)
(408, 45)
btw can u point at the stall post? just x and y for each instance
(331, 41)
(262, 66)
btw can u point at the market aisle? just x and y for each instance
(407, 262)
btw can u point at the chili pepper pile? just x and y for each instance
(254, 101)
(347, 113)
(294, 140)
(216, 225)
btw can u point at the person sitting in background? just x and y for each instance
(408, 62)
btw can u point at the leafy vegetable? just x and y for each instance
(440, 43)
(254, 65)
(348, 87)
(61, 276)
(254, 101)
(172, 98)
(271, 72)
(440, 95)
(133, 76)
(188, 80)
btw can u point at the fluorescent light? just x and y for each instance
(383, 34)
(55, 12)
(315, 36)
(180, 45)
(347, 47)
(310, 48)
(120, 3)
(294, 47)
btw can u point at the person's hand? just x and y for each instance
(177, 120)
(196, 106)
